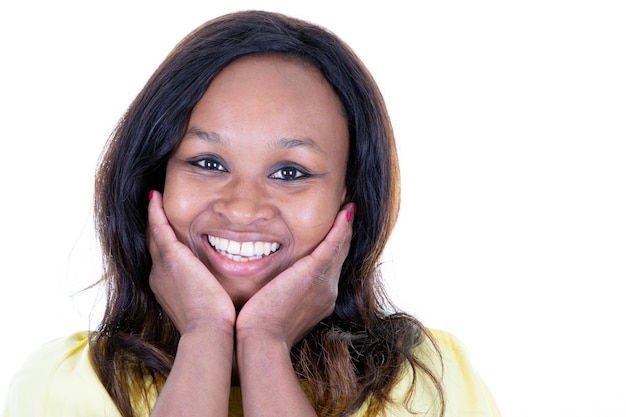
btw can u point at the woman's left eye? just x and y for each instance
(288, 174)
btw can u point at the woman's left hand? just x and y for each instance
(290, 305)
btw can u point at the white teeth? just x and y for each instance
(234, 247)
(259, 248)
(220, 244)
(242, 251)
(247, 249)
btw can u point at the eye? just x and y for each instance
(289, 173)
(209, 163)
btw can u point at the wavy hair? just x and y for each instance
(353, 357)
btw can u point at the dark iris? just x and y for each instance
(213, 165)
(289, 173)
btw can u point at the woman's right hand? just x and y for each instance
(203, 313)
(182, 284)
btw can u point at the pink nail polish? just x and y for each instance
(150, 194)
(349, 213)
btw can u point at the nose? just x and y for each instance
(243, 202)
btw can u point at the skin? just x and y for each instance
(263, 160)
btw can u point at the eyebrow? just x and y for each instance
(208, 136)
(290, 143)
(282, 143)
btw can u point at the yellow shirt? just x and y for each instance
(58, 380)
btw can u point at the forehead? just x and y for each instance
(273, 73)
(270, 95)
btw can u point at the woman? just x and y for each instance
(240, 276)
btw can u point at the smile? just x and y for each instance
(242, 251)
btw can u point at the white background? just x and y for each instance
(511, 125)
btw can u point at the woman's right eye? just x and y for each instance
(210, 164)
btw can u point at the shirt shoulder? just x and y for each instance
(58, 380)
(465, 391)
(447, 359)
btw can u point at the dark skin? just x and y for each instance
(239, 320)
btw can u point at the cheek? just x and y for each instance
(310, 220)
(178, 207)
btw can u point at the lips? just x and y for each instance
(242, 251)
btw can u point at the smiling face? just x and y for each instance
(259, 176)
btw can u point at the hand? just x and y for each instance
(182, 284)
(290, 305)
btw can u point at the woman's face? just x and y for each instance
(259, 175)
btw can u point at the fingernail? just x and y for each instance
(150, 194)
(350, 213)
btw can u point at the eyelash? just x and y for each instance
(295, 173)
(284, 173)
(210, 164)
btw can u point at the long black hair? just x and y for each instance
(341, 360)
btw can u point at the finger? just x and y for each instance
(160, 234)
(336, 245)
